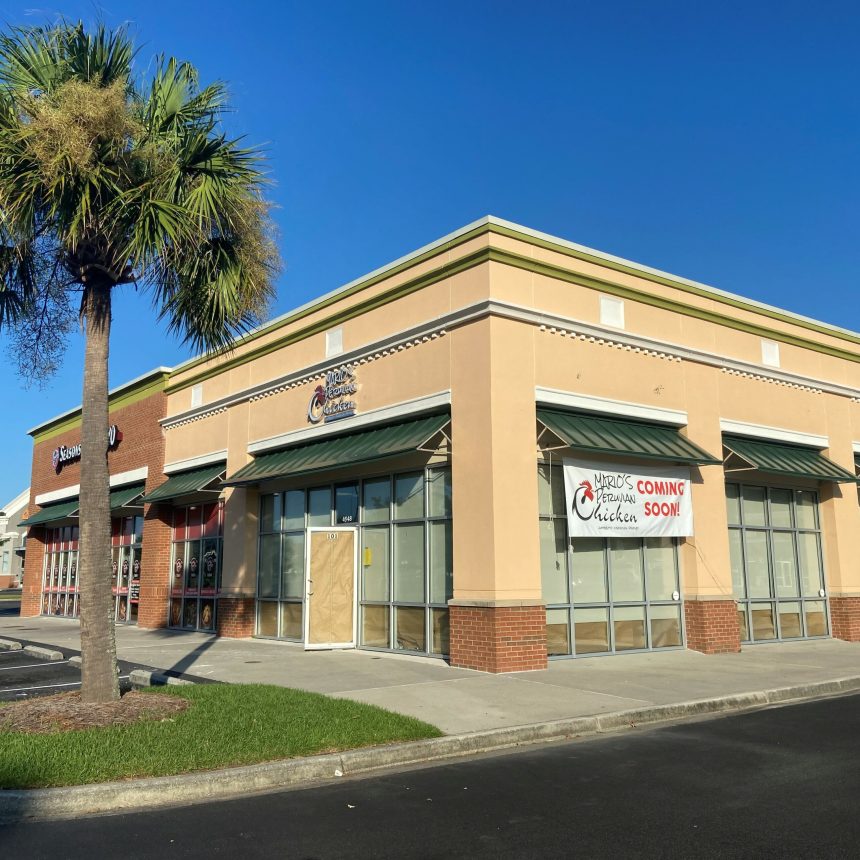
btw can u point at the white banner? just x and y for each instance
(605, 500)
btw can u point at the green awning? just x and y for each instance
(124, 496)
(119, 498)
(793, 461)
(348, 450)
(600, 435)
(52, 513)
(186, 483)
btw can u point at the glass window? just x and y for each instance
(733, 504)
(780, 508)
(550, 490)
(377, 500)
(293, 565)
(291, 620)
(784, 565)
(267, 618)
(816, 618)
(270, 512)
(591, 630)
(557, 633)
(660, 572)
(440, 631)
(588, 570)
(409, 496)
(625, 567)
(758, 564)
(319, 506)
(439, 493)
(375, 626)
(346, 504)
(294, 509)
(808, 546)
(806, 509)
(409, 563)
(629, 627)
(665, 626)
(410, 629)
(375, 567)
(441, 562)
(790, 624)
(268, 568)
(754, 504)
(553, 556)
(736, 559)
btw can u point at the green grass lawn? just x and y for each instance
(224, 725)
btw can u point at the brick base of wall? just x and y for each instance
(712, 626)
(845, 618)
(498, 638)
(236, 617)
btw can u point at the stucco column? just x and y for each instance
(840, 526)
(710, 611)
(498, 620)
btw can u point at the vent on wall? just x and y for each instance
(611, 311)
(770, 353)
(197, 395)
(334, 341)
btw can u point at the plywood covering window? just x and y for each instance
(604, 595)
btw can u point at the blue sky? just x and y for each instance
(717, 142)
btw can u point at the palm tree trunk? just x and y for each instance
(98, 640)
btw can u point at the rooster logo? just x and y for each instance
(584, 504)
(315, 407)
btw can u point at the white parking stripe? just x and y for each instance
(50, 686)
(33, 665)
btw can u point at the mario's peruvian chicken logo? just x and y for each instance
(583, 503)
(333, 400)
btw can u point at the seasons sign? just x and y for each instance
(69, 453)
(607, 501)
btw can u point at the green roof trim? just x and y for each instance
(124, 496)
(361, 447)
(600, 435)
(776, 458)
(52, 513)
(185, 483)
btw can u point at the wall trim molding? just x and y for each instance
(774, 434)
(120, 479)
(195, 462)
(404, 409)
(607, 406)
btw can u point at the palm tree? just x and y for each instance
(104, 182)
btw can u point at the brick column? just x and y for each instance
(236, 617)
(155, 571)
(712, 626)
(498, 638)
(845, 618)
(34, 561)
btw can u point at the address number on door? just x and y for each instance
(332, 535)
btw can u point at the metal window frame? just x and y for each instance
(746, 602)
(610, 604)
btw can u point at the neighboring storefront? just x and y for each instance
(501, 449)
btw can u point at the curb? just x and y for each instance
(40, 653)
(145, 678)
(9, 645)
(226, 783)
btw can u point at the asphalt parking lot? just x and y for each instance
(22, 676)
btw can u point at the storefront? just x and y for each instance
(501, 449)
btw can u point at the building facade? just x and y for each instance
(386, 468)
(13, 540)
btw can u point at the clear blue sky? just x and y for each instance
(716, 141)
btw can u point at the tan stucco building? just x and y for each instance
(382, 468)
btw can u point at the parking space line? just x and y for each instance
(50, 686)
(33, 665)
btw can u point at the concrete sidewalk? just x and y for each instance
(459, 700)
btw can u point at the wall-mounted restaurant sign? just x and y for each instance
(608, 500)
(69, 453)
(333, 400)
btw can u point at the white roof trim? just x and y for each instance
(856, 447)
(20, 501)
(405, 409)
(606, 406)
(774, 434)
(118, 480)
(195, 462)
